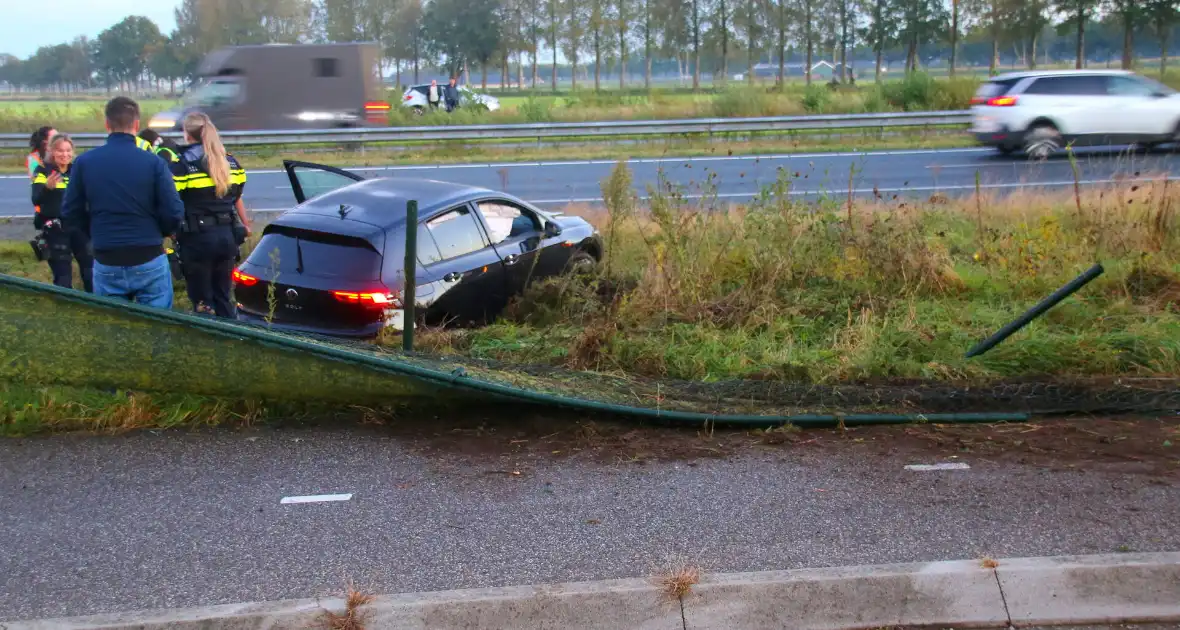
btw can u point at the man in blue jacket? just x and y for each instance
(124, 198)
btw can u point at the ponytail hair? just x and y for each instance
(201, 129)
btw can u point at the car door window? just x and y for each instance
(312, 180)
(506, 220)
(1128, 86)
(453, 234)
(1080, 85)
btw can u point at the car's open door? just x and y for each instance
(310, 180)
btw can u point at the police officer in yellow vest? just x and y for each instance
(210, 183)
(65, 243)
(160, 145)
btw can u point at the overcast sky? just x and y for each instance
(26, 25)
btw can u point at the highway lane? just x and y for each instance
(171, 519)
(915, 173)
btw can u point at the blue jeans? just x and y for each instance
(149, 284)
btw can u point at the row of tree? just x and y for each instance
(631, 35)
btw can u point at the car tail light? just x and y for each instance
(376, 111)
(1001, 101)
(375, 300)
(244, 279)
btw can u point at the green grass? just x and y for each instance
(776, 291)
(834, 293)
(917, 92)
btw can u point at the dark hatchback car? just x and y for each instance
(334, 264)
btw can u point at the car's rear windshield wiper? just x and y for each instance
(299, 253)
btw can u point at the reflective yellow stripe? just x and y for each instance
(203, 181)
(237, 178)
(143, 144)
(40, 179)
(65, 181)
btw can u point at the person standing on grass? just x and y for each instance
(123, 197)
(451, 94)
(50, 182)
(434, 94)
(39, 143)
(210, 183)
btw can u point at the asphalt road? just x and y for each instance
(168, 519)
(918, 173)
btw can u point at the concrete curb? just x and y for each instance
(1115, 588)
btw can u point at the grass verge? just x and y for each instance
(845, 291)
(464, 153)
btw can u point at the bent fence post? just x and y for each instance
(1036, 311)
(410, 273)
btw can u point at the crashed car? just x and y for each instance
(334, 264)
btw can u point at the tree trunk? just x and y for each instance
(555, 59)
(574, 73)
(597, 59)
(1081, 48)
(995, 61)
(1128, 42)
(1163, 53)
(877, 71)
(696, 45)
(647, 45)
(1032, 58)
(844, 42)
(750, 42)
(807, 34)
(954, 35)
(780, 80)
(483, 75)
(724, 42)
(622, 51)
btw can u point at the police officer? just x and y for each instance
(210, 183)
(160, 145)
(65, 243)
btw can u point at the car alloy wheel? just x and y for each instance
(1042, 143)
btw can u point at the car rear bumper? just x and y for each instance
(367, 332)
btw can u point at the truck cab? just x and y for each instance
(285, 86)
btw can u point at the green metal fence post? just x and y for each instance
(1036, 311)
(410, 271)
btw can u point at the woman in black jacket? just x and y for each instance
(66, 243)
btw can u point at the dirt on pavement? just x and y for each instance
(1147, 445)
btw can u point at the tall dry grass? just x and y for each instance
(777, 288)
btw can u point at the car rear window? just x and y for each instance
(323, 255)
(995, 88)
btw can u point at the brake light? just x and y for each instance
(1001, 101)
(244, 279)
(409, 96)
(378, 300)
(377, 106)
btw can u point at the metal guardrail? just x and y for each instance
(696, 126)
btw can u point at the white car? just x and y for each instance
(1042, 112)
(415, 96)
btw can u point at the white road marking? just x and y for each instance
(945, 466)
(317, 498)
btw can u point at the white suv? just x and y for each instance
(1041, 112)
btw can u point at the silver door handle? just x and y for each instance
(451, 277)
(510, 259)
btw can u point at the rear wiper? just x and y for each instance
(299, 253)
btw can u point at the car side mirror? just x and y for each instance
(552, 229)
